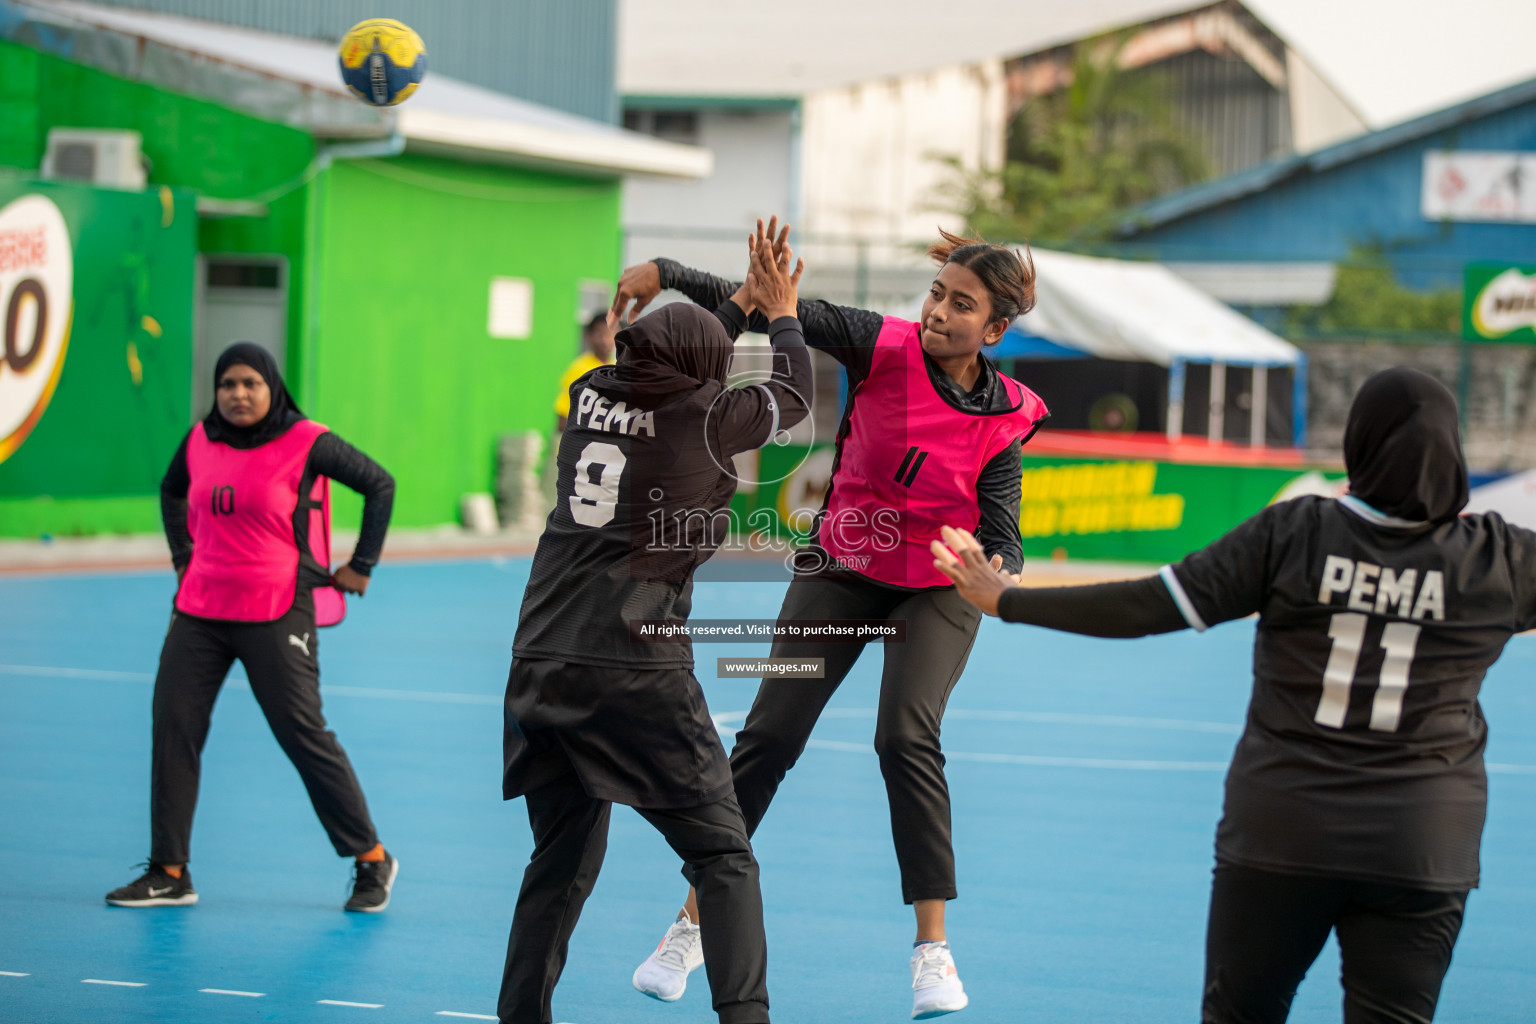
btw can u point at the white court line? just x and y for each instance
(13, 974)
(469, 1016)
(343, 1002)
(232, 992)
(1062, 718)
(429, 696)
(724, 720)
(47, 671)
(123, 984)
(375, 693)
(1046, 762)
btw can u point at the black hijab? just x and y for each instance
(1402, 447)
(282, 414)
(676, 348)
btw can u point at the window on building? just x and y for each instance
(671, 125)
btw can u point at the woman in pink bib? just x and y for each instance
(931, 429)
(246, 506)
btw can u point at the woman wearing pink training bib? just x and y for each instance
(246, 506)
(931, 428)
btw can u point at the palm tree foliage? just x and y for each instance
(1075, 157)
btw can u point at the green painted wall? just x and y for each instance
(404, 363)
(93, 464)
(390, 266)
(191, 143)
(94, 460)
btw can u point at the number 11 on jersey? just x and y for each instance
(1398, 641)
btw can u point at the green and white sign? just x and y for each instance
(96, 297)
(1500, 303)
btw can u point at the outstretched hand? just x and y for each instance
(979, 580)
(776, 236)
(641, 283)
(638, 284)
(772, 286)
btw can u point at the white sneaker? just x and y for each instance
(936, 988)
(664, 975)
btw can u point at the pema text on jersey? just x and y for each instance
(1371, 588)
(596, 413)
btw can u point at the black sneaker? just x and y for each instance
(156, 888)
(371, 882)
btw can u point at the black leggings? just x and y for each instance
(281, 659)
(570, 836)
(1267, 928)
(919, 675)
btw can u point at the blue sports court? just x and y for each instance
(1086, 776)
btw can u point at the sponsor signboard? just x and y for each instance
(1499, 303)
(37, 299)
(1466, 185)
(96, 295)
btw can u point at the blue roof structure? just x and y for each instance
(1363, 192)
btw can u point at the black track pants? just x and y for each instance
(918, 678)
(570, 833)
(1267, 928)
(281, 661)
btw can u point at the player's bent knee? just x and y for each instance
(900, 746)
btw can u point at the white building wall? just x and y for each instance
(869, 167)
(704, 223)
(867, 189)
(1319, 115)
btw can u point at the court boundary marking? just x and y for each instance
(725, 722)
(460, 1014)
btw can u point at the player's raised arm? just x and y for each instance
(752, 416)
(843, 332)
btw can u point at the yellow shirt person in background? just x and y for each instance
(596, 350)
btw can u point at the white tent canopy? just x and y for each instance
(1116, 309)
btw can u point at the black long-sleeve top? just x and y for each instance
(1124, 609)
(849, 335)
(329, 457)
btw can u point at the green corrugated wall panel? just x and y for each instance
(191, 143)
(406, 368)
(388, 338)
(20, 141)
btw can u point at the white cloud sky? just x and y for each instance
(1396, 59)
(1393, 59)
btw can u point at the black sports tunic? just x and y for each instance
(1363, 751)
(642, 502)
(643, 493)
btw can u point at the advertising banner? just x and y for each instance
(1146, 511)
(96, 290)
(1487, 186)
(1499, 303)
(1121, 510)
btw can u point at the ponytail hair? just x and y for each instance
(1009, 275)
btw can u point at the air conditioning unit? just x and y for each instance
(110, 158)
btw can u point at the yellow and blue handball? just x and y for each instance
(382, 61)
